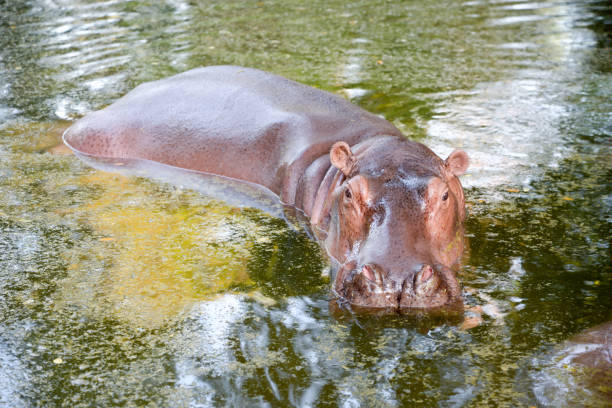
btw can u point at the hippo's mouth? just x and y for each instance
(427, 288)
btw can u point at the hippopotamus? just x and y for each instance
(388, 211)
(580, 371)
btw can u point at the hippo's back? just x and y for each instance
(232, 121)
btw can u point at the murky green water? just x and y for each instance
(119, 291)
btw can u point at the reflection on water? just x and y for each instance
(509, 140)
(163, 259)
(13, 375)
(116, 290)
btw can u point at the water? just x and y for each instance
(118, 290)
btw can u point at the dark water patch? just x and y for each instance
(288, 263)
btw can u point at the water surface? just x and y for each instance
(120, 290)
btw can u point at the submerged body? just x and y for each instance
(592, 351)
(387, 209)
(580, 371)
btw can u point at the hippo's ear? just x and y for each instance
(457, 162)
(342, 157)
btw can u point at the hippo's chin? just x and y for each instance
(389, 302)
(453, 310)
(450, 306)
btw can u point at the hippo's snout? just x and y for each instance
(370, 286)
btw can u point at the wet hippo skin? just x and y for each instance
(592, 350)
(579, 373)
(387, 210)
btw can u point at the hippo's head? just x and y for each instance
(396, 224)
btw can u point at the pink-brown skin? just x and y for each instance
(592, 351)
(387, 209)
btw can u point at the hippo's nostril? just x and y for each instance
(426, 281)
(367, 271)
(424, 274)
(372, 274)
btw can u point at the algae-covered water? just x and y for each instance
(124, 291)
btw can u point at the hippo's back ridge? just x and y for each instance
(239, 122)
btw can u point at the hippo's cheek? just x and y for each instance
(349, 217)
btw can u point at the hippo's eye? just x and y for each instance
(347, 193)
(445, 196)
